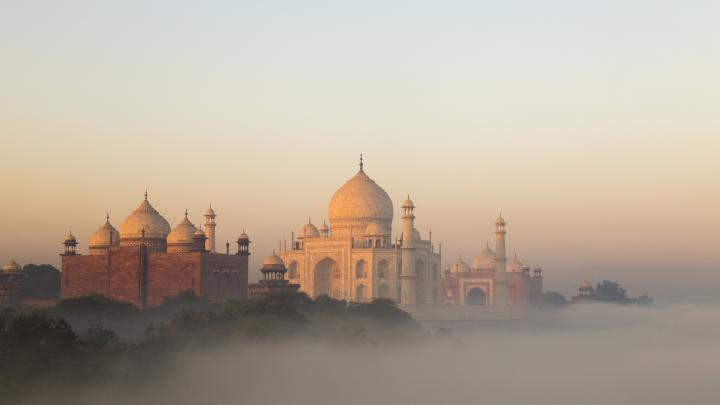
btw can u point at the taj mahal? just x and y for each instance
(355, 258)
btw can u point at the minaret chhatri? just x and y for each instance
(210, 230)
(407, 272)
(501, 290)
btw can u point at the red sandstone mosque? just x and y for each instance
(145, 261)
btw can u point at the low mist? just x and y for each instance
(585, 353)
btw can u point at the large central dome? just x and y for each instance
(146, 218)
(356, 204)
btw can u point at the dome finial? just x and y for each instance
(186, 213)
(107, 217)
(145, 194)
(361, 162)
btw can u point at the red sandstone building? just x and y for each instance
(146, 262)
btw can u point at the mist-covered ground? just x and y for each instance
(583, 354)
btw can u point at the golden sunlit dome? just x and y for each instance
(12, 267)
(585, 285)
(460, 267)
(358, 202)
(273, 262)
(182, 233)
(514, 265)
(147, 218)
(308, 231)
(485, 261)
(101, 237)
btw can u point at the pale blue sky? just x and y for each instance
(592, 125)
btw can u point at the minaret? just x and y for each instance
(407, 271)
(210, 230)
(501, 290)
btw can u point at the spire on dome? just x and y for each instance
(145, 194)
(361, 162)
(107, 217)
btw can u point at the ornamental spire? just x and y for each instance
(361, 162)
(145, 194)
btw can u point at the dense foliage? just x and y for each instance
(92, 339)
(607, 291)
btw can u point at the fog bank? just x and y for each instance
(590, 354)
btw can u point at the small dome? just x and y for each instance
(183, 232)
(324, 227)
(375, 229)
(485, 261)
(199, 234)
(308, 231)
(145, 217)
(273, 262)
(514, 265)
(210, 212)
(500, 220)
(243, 236)
(585, 285)
(460, 267)
(101, 238)
(12, 267)
(416, 234)
(70, 238)
(408, 203)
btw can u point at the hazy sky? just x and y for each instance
(593, 126)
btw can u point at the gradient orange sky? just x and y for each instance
(592, 127)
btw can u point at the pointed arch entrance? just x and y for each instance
(325, 274)
(476, 296)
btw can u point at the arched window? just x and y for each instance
(378, 243)
(383, 269)
(336, 274)
(369, 243)
(361, 269)
(218, 283)
(384, 291)
(292, 270)
(421, 282)
(360, 293)
(227, 279)
(436, 272)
